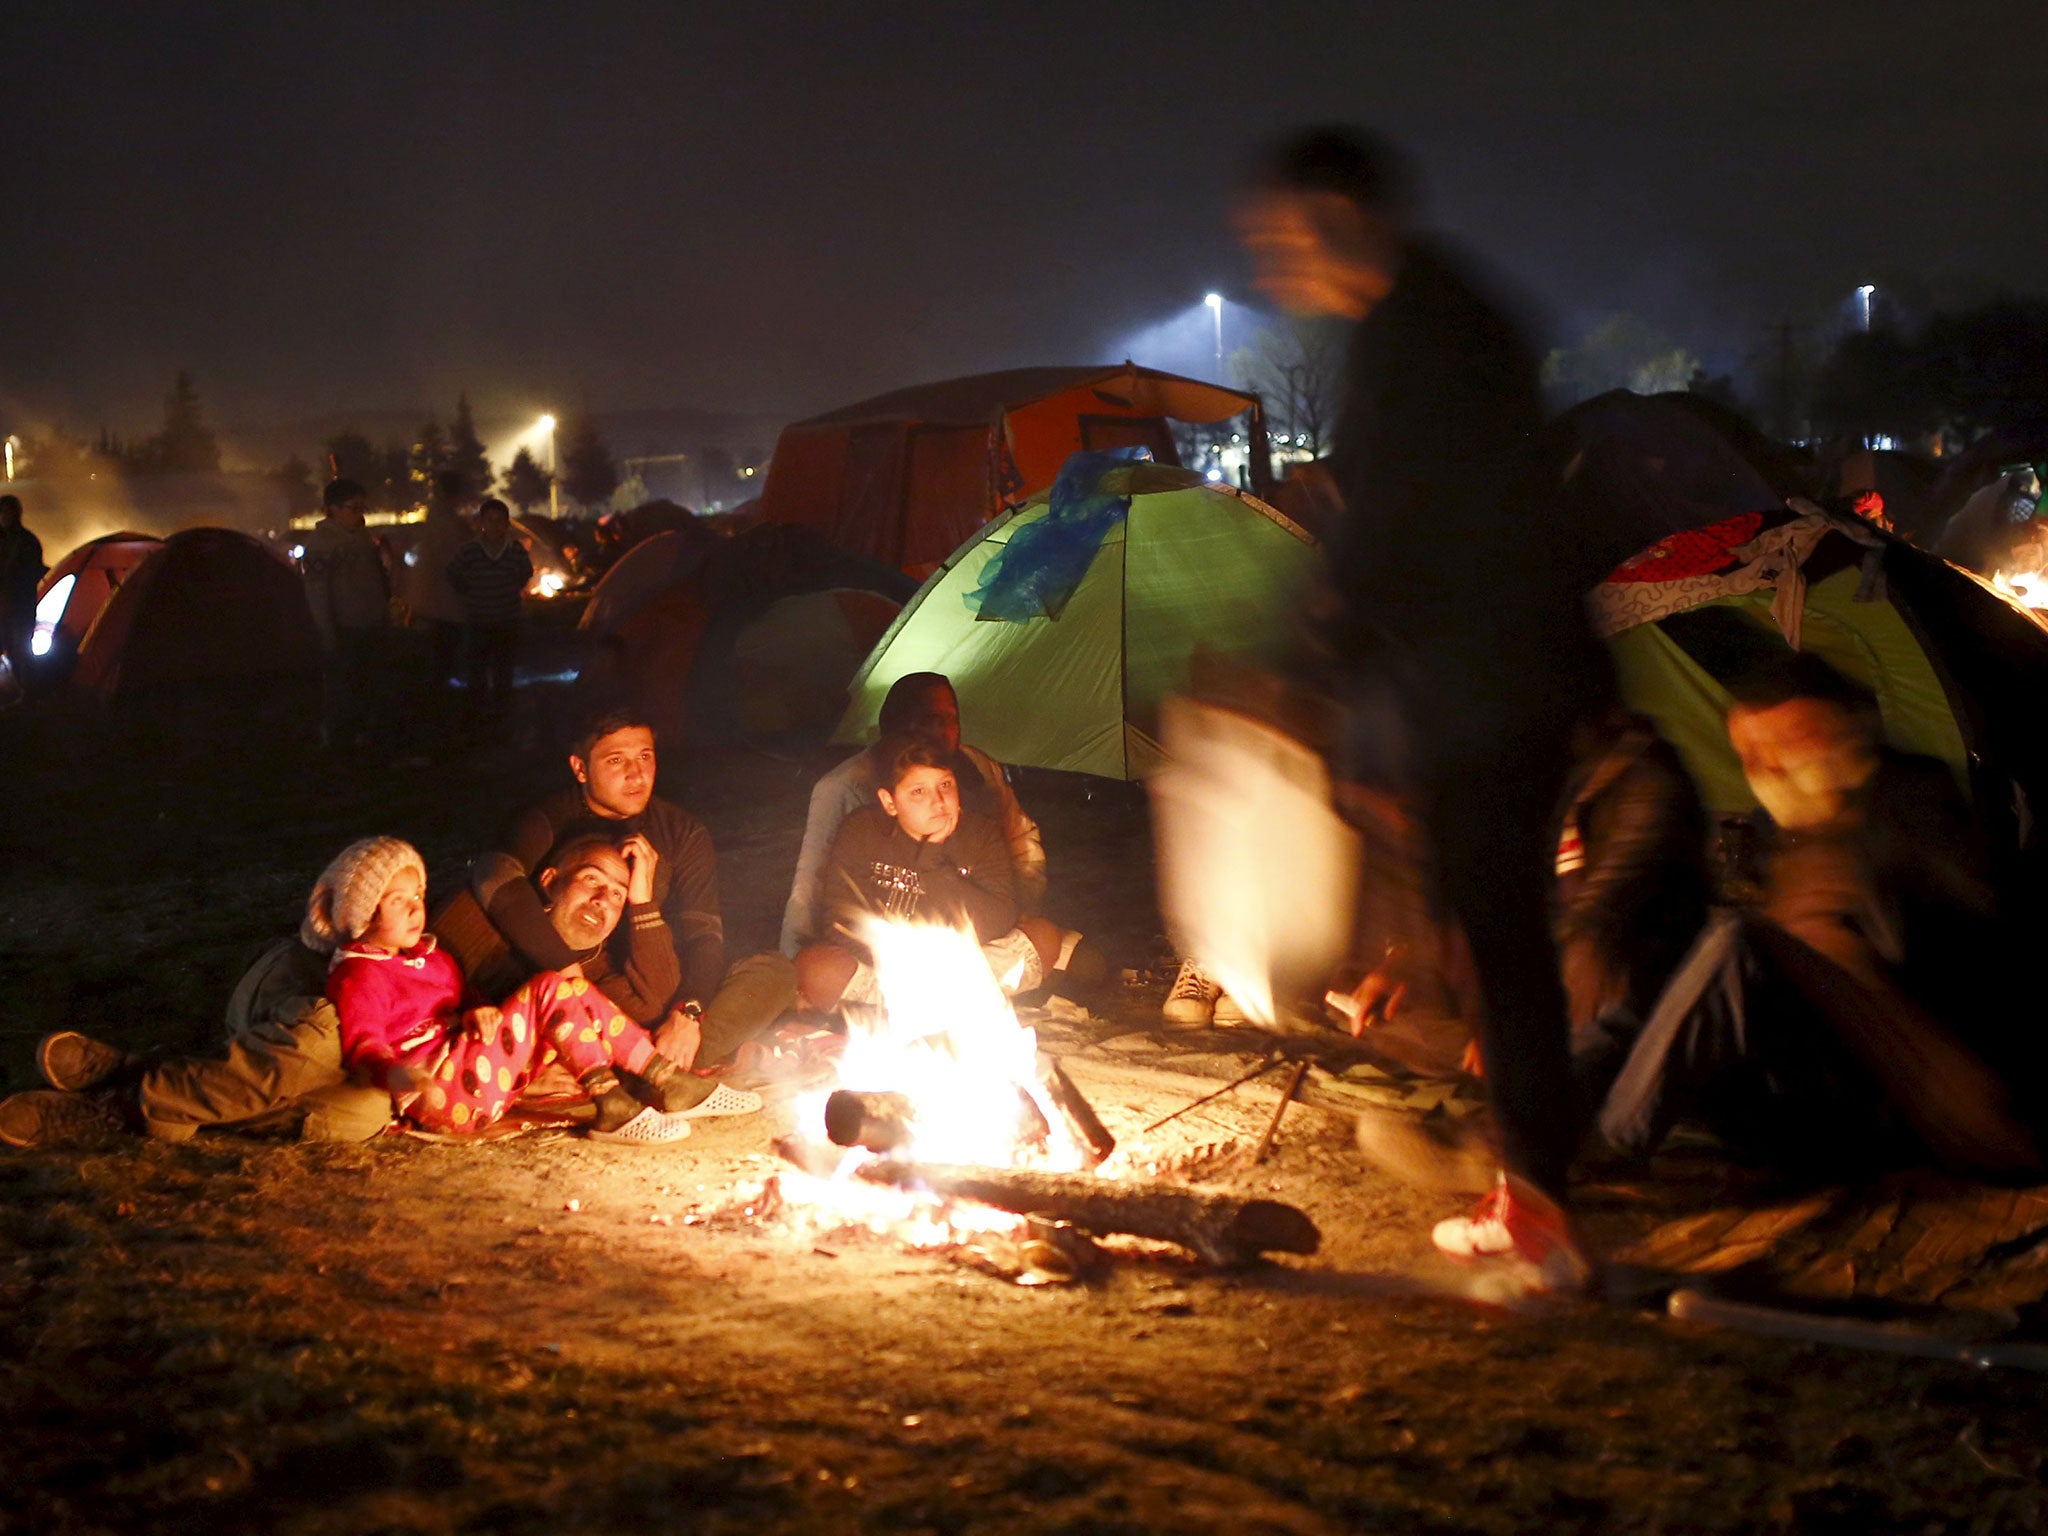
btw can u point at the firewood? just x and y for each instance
(1080, 1115)
(1223, 1229)
(881, 1122)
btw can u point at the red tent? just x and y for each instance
(76, 588)
(904, 478)
(209, 606)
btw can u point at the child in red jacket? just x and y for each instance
(411, 1025)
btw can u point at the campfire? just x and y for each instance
(945, 1129)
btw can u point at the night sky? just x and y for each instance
(774, 209)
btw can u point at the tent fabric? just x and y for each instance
(96, 569)
(1638, 469)
(1041, 564)
(1191, 568)
(692, 651)
(210, 606)
(1870, 643)
(649, 566)
(905, 477)
(791, 666)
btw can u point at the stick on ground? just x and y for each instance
(1279, 1110)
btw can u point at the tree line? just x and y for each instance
(398, 476)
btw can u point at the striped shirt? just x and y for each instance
(488, 583)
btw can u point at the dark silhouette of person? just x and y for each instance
(1459, 641)
(21, 568)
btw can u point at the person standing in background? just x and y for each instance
(489, 575)
(350, 596)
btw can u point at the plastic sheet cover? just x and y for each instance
(1038, 569)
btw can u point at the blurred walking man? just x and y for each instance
(1459, 639)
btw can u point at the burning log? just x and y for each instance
(1087, 1126)
(881, 1122)
(1222, 1229)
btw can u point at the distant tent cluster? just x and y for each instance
(136, 617)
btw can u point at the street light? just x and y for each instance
(1864, 294)
(547, 424)
(1215, 303)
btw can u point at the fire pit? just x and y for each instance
(947, 1130)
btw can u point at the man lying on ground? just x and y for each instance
(918, 854)
(284, 1065)
(917, 704)
(702, 1016)
(1856, 1017)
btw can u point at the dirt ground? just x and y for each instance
(546, 1335)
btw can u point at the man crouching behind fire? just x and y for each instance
(411, 1025)
(917, 854)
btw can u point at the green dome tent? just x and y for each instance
(1192, 566)
(1952, 665)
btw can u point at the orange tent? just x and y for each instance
(209, 606)
(77, 587)
(904, 478)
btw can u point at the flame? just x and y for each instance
(2027, 588)
(946, 1039)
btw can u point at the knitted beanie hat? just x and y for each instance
(345, 897)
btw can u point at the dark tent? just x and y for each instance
(730, 649)
(210, 607)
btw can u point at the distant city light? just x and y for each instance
(298, 551)
(1215, 474)
(412, 557)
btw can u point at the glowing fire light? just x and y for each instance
(947, 1040)
(550, 583)
(2027, 588)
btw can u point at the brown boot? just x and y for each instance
(668, 1087)
(614, 1105)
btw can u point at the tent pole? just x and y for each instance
(1261, 453)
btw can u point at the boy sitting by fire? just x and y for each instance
(917, 854)
(917, 704)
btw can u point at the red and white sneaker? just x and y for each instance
(1518, 1223)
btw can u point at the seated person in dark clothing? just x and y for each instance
(917, 854)
(1632, 883)
(917, 704)
(1851, 1017)
(1631, 894)
(709, 1011)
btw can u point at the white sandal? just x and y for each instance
(648, 1128)
(724, 1100)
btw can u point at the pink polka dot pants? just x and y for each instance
(475, 1073)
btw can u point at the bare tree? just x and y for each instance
(1298, 366)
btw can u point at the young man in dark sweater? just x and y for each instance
(917, 855)
(709, 1011)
